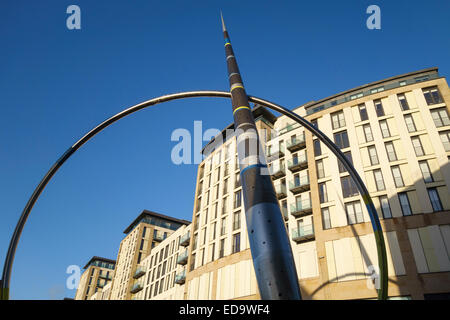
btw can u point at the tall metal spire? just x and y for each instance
(269, 243)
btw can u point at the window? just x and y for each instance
(384, 129)
(404, 204)
(341, 167)
(375, 90)
(379, 182)
(317, 149)
(326, 221)
(224, 205)
(236, 242)
(417, 146)
(368, 133)
(440, 117)
(410, 125)
(236, 220)
(403, 102)
(320, 169)
(237, 199)
(397, 174)
(338, 120)
(378, 108)
(363, 112)
(373, 155)
(432, 95)
(354, 212)
(212, 250)
(323, 196)
(224, 224)
(213, 231)
(390, 150)
(434, 198)
(341, 139)
(222, 248)
(385, 208)
(445, 138)
(237, 181)
(427, 176)
(348, 187)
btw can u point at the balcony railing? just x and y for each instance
(139, 272)
(278, 171)
(159, 236)
(302, 234)
(284, 130)
(136, 288)
(180, 278)
(296, 144)
(275, 154)
(299, 185)
(280, 190)
(302, 208)
(184, 241)
(183, 258)
(297, 164)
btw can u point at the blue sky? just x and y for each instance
(56, 84)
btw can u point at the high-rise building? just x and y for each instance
(142, 235)
(98, 273)
(396, 133)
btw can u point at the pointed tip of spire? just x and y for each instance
(223, 23)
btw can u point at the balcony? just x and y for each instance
(278, 171)
(301, 209)
(275, 154)
(299, 185)
(280, 190)
(159, 236)
(303, 234)
(184, 241)
(139, 272)
(180, 278)
(297, 164)
(296, 144)
(136, 288)
(183, 258)
(105, 276)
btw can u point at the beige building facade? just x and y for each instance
(97, 275)
(396, 133)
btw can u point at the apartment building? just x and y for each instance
(396, 133)
(161, 275)
(146, 232)
(98, 273)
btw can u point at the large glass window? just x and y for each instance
(323, 195)
(326, 221)
(432, 95)
(341, 139)
(338, 120)
(417, 144)
(397, 174)
(440, 117)
(426, 173)
(368, 133)
(237, 199)
(434, 198)
(378, 108)
(445, 138)
(384, 129)
(317, 149)
(385, 208)
(403, 102)
(410, 125)
(354, 212)
(363, 112)
(341, 167)
(320, 169)
(390, 150)
(379, 181)
(236, 242)
(348, 187)
(404, 204)
(373, 155)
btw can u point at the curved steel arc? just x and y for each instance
(382, 259)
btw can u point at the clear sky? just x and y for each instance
(56, 84)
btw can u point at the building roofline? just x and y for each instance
(257, 111)
(101, 259)
(153, 214)
(409, 74)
